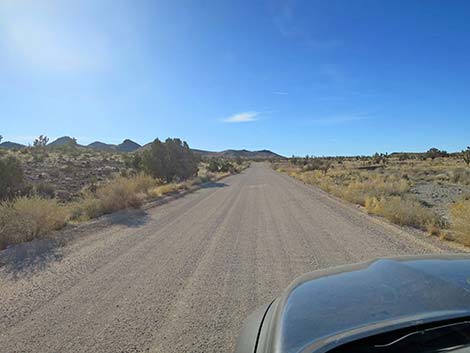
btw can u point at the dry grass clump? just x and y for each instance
(355, 186)
(382, 193)
(402, 211)
(26, 218)
(460, 225)
(374, 186)
(460, 176)
(385, 189)
(161, 190)
(30, 217)
(143, 182)
(119, 194)
(122, 193)
(87, 208)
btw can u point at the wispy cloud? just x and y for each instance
(242, 117)
(281, 93)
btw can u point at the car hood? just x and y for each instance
(327, 308)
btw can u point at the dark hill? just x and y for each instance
(11, 145)
(128, 146)
(62, 141)
(232, 154)
(101, 146)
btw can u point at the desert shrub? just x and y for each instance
(164, 189)
(220, 166)
(466, 156)
(143, 182)
(45, 190)
(133, 161)
(39, 156)
(460, 176)
(380, 158)
(357, 190)
(207, 176)
(403, 156)
(460, 221)
(314, 164)
(170, 160)
(402, 211)
(194, 181)
(87, 208)
(435, 229)
(213, 165)
(119, 194)
(381, 194)
(435, 153)
(70, 148)
(26, 218)
(11, 177)
(226, 166)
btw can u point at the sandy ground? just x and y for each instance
(181, 277)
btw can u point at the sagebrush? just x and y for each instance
(27, 218)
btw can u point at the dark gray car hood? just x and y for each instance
(325, 308)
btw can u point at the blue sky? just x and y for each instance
(297, 77)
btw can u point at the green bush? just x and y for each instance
(213, 166)
(466, 156)
(223, 166)
(435, 153)
(11, 177)
(170, 160)
(133, 161)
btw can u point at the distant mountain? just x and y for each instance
(101, 146)
(131, 146)
(11, 145)
(128, 146)
(61, 141)
(232, 154)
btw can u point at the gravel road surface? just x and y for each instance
(181, 277)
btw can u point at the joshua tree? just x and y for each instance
(380, 158)
(325, 165)
(39, 150)
(294, 160)
(466, 156)
(41, 141)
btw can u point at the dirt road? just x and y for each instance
(181, 277)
